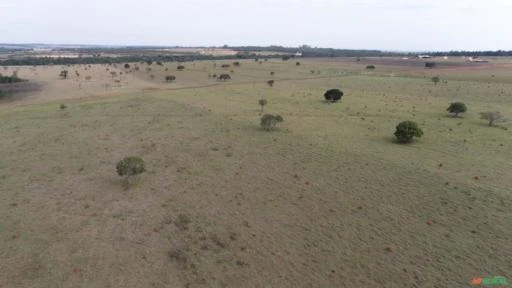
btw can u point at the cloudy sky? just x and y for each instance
(404, 25)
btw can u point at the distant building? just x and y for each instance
(298, 54)
(424, 56)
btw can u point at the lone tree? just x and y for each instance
(129, 167)
(370, 67)
(435, 79)
(333, 95)
(170, 78)
(224, 77)
(236, 63)
(270, 83)
(272, 73)
(269, 121)
(297, 64)
(63, 74)
(406, 130)
(181, 67)
(262, 103)
(126, 66)
(456, 108)
(492, 117)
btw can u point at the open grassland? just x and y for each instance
(326, 200)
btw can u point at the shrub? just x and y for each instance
(333, 95)
(370, 67)
(180, 67)
(129, 167)
(269, 121)
(297, 64)
(225, 66)
(406, 130)
(430, 64)
(492, 117)
(456, 108)
(286, 57)
(170, 78)
(126, 66)
(272, 73)
(270, 83)
(236, 63)
(224, 77)
(63, 106)
(63, 74)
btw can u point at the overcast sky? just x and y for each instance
(405, 25)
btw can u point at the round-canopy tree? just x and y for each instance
(181, 67)
(170, 78)
(262, 103)
(270, 83)
(333, 95)
(435, 79)
(456, 108)
(406, 130)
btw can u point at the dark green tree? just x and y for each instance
(457, 108)
(406, 130)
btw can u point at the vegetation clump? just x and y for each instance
(180, 67)
(370, 67)
(270, 83)
(406, 130)
(269, 121)
(333, 95)
(262, 103)
(63, 74)
(129, 167)
(10, 79)
(224, 77)
(435, 80)
(430, 65)
(170, 78)
(457, 108)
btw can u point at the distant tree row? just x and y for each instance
(159, 59)
(10, 79)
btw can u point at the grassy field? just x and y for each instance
(326, 200)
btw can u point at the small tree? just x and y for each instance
(436, 80)
(224, 77)
(126, 66)
(170, 78)
(406, 130)
(492, 117)
(64, 74)
(430, 64)
(270, 83)
(456, 108)
(180, 67)
(269, 121)
(225, 66)
(272, 73)
(236, 63)
(262, 103)
(130, 167)
(333, 95)
(297, 64)
(370, 67)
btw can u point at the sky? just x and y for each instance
(392, 25)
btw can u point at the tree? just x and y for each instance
(370, 67)
(272, 73)
(270, 83)
(181, 67)
(126, 66)
(262, 103)
(436, 80)
(456, 108)
(406, 130)
(64, 74)
(237, 64)
(224, 77)
(269, 121)
(333, 95)
(225, 66)
(129, 167)
(492, 117)
(297, 64)
(170, 78)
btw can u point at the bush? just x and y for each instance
(297, 64)
(225, 66)
(456, 108)
(126, 66)
(269, 121)
(333, 95)
(430, 64)
(63, 106)
(63, 74)
(270, 83)
(236, 64)
(224, 77)
(180, 67)
(370, 67)
(130, 166)
(406, 130)
(170, 78)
